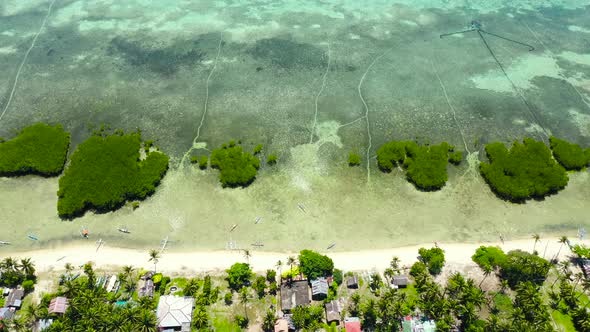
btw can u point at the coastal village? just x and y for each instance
(307, 293)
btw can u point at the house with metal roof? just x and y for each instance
(58, 305)
(319, 289)
(175, 313)
(399, 281)
(352, 281)
(352, 324)
(15, 298)
(294, 294)
(332, 312)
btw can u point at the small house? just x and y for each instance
(175, 313)
(6, 313)
(319, 289)
(332, 312)
(146, 287)
(58, 305)
(15, 298)
(352, 324)
(352, 282)
(281, 325)
(42, 325)
(400, 281)
(417, 324)
(294, 294)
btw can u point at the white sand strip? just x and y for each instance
(456, 254)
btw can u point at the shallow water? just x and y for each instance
(288, 74)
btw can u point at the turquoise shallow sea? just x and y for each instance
(312, 80)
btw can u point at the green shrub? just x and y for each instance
(105, 172)
(337, 274)
(257, 149)
(417, 269)
(236, 167)
(271, 275)
(354, 159)
(157, 278)
(392, 153)
(135, 205)
(238, 276)
(147, 145)
(489, 257)
(426, 166)
(456, 157)
(241, 321)
(194, 159)
(259, 286)
(433, 258)
(28, 286)
(272, 159)
(569, 155)
(228, 298)
(525, 171)
(38, 149)
(203, 160)
(314, 265)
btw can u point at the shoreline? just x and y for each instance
(456, 254)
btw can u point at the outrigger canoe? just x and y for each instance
(32, 237)
(124, 230)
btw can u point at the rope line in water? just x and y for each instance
(317, 97)
(529, 107)
(20, 68)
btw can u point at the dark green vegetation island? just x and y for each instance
(39, 149)
(525, 171)
(236, 167)
(570, 156)
(426, 166)
(106, 171)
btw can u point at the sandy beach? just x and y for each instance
(457, 255)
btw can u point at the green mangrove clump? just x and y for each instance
(38, 149)
(354, 159)
(569, 155)
(272, 159)
(257, 149)
(426, 166)
(456, 157)
(106, 171)
(525, 171)
(236, 167)
(203, 160)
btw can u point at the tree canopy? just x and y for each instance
(106, 171)
(314, 265)
(239, 275)
(38, 149)
(236, 167)
(489, 257)
(433, 258)
(525, 171)
(521, 266)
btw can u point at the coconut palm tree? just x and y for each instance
(244, 299)
(8, 264)
(268, 324)
(279, 266)
(27, 267)
(127, 270)
(154, 257)
(290, 261)
(247, 255)
(563, 240)
(191, 288)
(145, 321)
(69, 268)
(487, 270)
(394, 264)
(537, 238)
(200, 317)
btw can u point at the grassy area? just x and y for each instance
(107, 171)
(224, 325)
(564, 321)
(38, 149)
